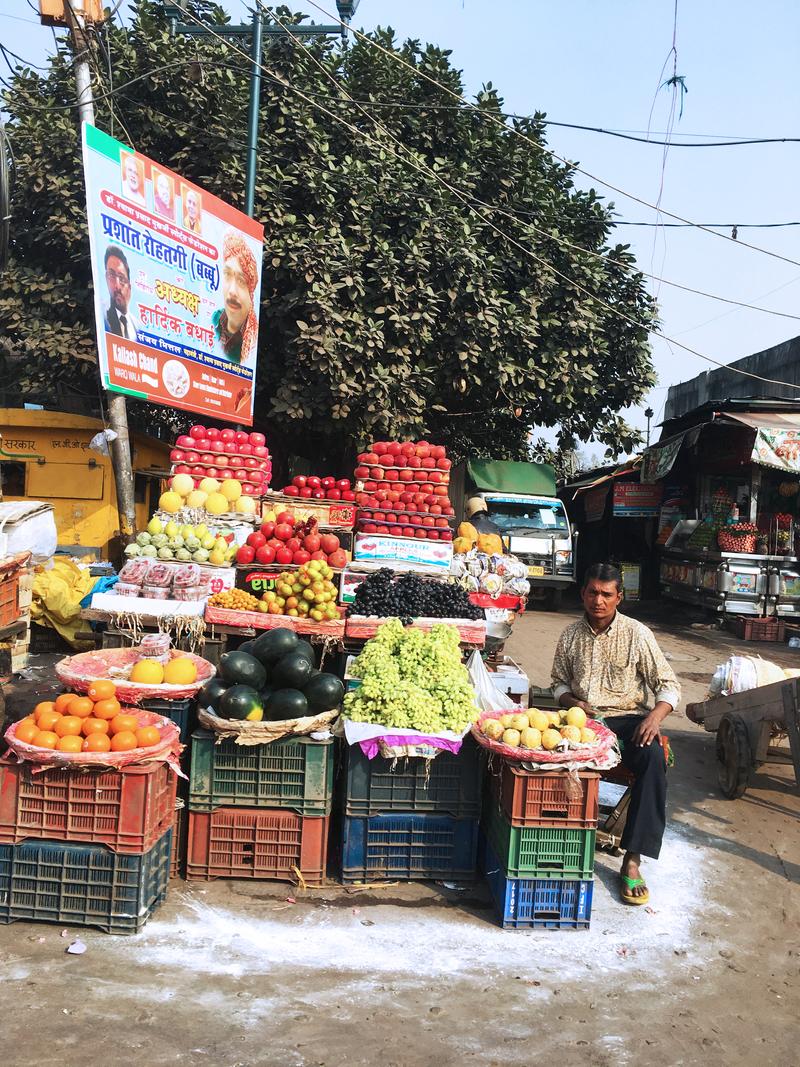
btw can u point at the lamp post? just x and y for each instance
(648, 414)
(175, 11)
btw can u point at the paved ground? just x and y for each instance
(251, 973)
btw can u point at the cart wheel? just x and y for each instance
(734, 756)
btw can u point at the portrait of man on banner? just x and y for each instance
(235, 323)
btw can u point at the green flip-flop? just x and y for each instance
(633, 883)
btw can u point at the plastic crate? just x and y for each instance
(83, 885)
(447, 784)
(546, 798)
(540, 851)
(408, 847)
(181, 712)
(256, 843)
(294, 773)
(538, 903)
(177, 859)
(754, 629)
(127, 809)
(9, 597)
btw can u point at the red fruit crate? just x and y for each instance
(546, 798)
(752, 629)
(9, 597)
(265, 843)
(127, 809)
(177, 858)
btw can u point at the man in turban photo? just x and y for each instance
(235, 324)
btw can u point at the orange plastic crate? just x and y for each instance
(546, 798)
(9, 597)
(256, 843)
(128, 809)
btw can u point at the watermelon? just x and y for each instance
(324, 692)
(286, 704)
(273, 644)
(247, 646)
(239, 668)
(307, 649)
(292, 671)
(209, 696)
(241, 702)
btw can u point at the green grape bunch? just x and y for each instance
(413, 680)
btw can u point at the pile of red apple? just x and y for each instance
(310, 487)
(291, 541)
(403, 490)
(208, 452)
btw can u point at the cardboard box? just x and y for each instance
(257, 579)
(404, 553)
(330, 514)
(509, 678)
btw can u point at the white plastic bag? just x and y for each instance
(487, 696)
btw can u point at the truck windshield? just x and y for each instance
(523, 518)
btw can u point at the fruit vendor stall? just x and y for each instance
(730, 544)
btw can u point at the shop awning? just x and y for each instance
(593, 483)
(659, 460)
(777, 441)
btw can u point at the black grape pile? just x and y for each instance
(410, 597)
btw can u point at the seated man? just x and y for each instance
(605, 663)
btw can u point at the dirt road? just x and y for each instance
(251, 973)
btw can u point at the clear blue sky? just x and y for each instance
(601, 64)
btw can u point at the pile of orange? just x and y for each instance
(91, 723)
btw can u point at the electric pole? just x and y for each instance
(117, 410)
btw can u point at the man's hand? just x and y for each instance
(650, 727)
(569, 701)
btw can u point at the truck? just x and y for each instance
(522, 502)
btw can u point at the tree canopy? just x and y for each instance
(390, 306)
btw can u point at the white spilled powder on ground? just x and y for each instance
(434, 942)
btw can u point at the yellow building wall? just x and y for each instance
(62, 470)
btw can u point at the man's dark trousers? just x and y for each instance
(647, 811)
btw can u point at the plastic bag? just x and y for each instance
(739, 674)
(487, 696)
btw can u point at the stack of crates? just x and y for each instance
(539, 829)
(259, 811)
(85, 847)
(412, 818)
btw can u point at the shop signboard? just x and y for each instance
(177, 285)
(594, 503)
(634, 500)
(777, 448)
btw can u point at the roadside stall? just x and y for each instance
(728, 539)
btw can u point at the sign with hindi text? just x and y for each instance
(177, 285)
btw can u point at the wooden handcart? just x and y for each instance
(748, 728)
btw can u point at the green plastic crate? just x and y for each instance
(294, 773)
(540, 851)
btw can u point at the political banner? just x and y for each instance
(177, 285)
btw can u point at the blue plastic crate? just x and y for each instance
(538, 903)
(182, 713)
(447, 785)
(83, 885)
(408, 847)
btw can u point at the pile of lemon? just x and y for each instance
(535, 729)
(178, 671)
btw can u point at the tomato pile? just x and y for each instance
(91, 723)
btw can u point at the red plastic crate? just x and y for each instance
(9, 597)
(546, 798)
(177, 859)
(256, 843)
(127, 809)
(754, 629)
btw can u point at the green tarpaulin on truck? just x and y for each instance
(506, 476)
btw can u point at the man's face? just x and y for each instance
(132, 174)
(600, 601)
(162, 185)
(192, 205)
(235, 294)
(119, 284)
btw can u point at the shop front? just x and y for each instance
(728, 526)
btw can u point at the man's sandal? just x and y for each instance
(633, 883)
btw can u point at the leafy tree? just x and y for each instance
(388, 306)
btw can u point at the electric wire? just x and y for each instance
(540, 147)
(423, 168)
